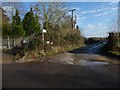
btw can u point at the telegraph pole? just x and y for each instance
(118, 24)
(72, 18)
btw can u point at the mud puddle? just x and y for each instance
(88, 62)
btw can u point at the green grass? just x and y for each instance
(47, 52)
(115, 53)
(61, 49)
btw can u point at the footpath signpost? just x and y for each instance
(43, 38)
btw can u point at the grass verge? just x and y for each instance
(115, 53)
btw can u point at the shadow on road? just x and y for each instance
(94, 49)
(91, 49)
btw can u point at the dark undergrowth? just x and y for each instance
(104, 51)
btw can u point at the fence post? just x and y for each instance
(8, 41)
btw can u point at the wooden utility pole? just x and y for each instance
(72, 18)
(118, 23)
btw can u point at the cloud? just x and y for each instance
(104, 9)
(95, 30)
(114, 8)
(100, 24)
(86, 12)
(91, 15)
(109, 8)
(98, 10)
(81, 18)
(90, 27)
(101, 14)
(111, 3)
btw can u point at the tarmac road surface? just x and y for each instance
(57, 75)
(44, 75)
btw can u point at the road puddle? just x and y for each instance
(87, 62)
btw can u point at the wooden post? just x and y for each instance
(72, 18)
(8, 42)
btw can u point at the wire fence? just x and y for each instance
(6, 43)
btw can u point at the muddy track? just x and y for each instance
(90, 53)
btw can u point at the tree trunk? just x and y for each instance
(8, 42)
(14, 42)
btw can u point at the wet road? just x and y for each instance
(91, 49)
(61, 75)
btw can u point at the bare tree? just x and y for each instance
(10, 8)
(114, 26)
(53, 12)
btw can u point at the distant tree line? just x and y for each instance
(93, 40)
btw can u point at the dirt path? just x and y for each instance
(6, 58)
(89, 53)
(70, 58)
